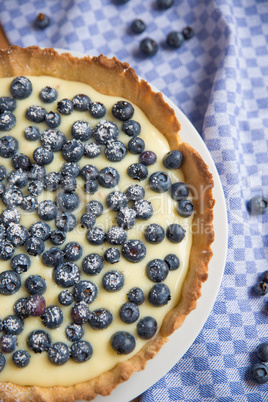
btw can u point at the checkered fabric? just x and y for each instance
(219, 79)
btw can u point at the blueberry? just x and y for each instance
(185, 208)
(48, 94)
(149, 47)
(52, 119)
(138, 26)
(132, 128)
(179, 191)
(87, 220)
(154, 233)
(260, 288)
(17, 234)
(12, 197)
(91, 186)
(65, 106)
(6, 250)
(9, 216)
(7, 103)
(116, 200)
(159, 182)
(70, 168)
(40, 229)
(81, 102)
(136, 295)
(17, 178)
(258, 205)
(35, 113)
(53, 257)
(157, 270)
(43, 156)
(136, 145)
(165, 4)
(37, 172)
(57, 237)
(92, 264)
(20, 263)
(92, 150)
(73, 251)
(65, 298)
(47, 210)
(135, 192)
(143, 209)
(74, 332)
(8, 146)
(126, 218)
(115, 151)
(2, 188)
(108, 177)
(66, 275)
(105, 131)
(172, 261)
(129, 313)
(173, 159)
(175, 39)
(20, 308)
(13, 325)
(7, 120)
(53, 140)
(3, 172)
(134, 250)
(159, 295)
(80, 313)
(264, 276)
(100, 319)
(97, 110)
(175, 233)
(188, 33)
(116, 236)
(35, 306)
(122, 110)
(89, 172)
(67, 202)
(8, 343)
(42, 21)
(34, 246)
(58, 353)
(137, 171)
(113, 281)
(2, 362)
(94, 207)
(31, 133)
(52, 317)
(21, 88)
(85, 291)
(259, 373)
(35, 285)
(123, 342)
(96, 236)
(112, 255)
(21, 358)
(262, 351)
(21, 161)
(65, 222)
(81, 130)
(147, 158)
(2, 232)
(146, 327)
(39, 341)
(81, 351)
(73, 150)
(52, 181)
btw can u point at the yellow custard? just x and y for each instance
(40, 371)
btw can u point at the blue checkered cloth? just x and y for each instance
(219, 79)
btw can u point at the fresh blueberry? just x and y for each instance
(52, 119)
(108, 177)
(175, 39)
(135, 192)
(43, 156)
(175, 233)
(143, 209)
(47, 210)
(172, 261)
(123, 342)
(260, 288)
(81, 102)
(8, 343)
(3, 172)
(129, 313)
(65, 106)
(91, 186)
(81, 130)
(21, 88)
(17, 178)
(159, 295)
(94, 207)
(74, 332)
(48, 94)
(20, 308)
(2, 232)
(105, 131)
(136, 296)
(147, 158)
(92, 264)
(262, 351)
(65, 222)
(138, 26)
(137, 171)
(39, 341)
(7, 120)
(52, 140)
(12, 197)
(122, 110)
(20, 263)
(159, 182)
(53, 257)
(58, 353)
(8, 146)
(258, 205)
(73, 150)
(35, 113)
(97, 110)
(115, 151)
(116, 236)
(157, 270)
(7, 103)
(147, 327)
(125, 218)
(65, 298)
(173, 159)
(113, 281)
(9, 216)
(116, 200)
(34, 246)
(2, 188)
(73, 251)
(21, 161)
(89, 172)
(92, 150)
(80, 313)
(154, 233)
(2, 362)
(188, 33)
(67, 202)
(66, 274)
(136, 145)
(21, 358)
(149, 47)
(32, 133)
(112, 255)
(57, 237)
(13, 325)
(81, 351)
(70, 168)
(37, 172)
(35, 306)
(42, 21)
(85, 291)
(40, 229)
(179, 191)
(131, 127)
(87, 220)
(164, 4)
(52, 317)
(96, 236)
(264, 276)
(134, 250)
(35, 285)
(100, 319)
(185, 208)
(259, 373)
(17, 234)
(6, 251)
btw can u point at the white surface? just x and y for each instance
(183, 338)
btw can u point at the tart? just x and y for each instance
(106, 225)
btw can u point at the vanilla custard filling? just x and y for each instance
(40, 371)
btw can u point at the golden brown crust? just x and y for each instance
(111, 77)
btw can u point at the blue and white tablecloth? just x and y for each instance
(219, 79)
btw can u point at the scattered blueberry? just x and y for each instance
(85, 291)
(116, 236)
(20, 263)
(81, 130)
(37, 172)
(154, 233)
(40, 229)
(135, 192)
(73, 251)
(47, 210)
(172, 261)
(43, 156)
(58, 353)
(157, 270)
(112, 255)
(258, 205)
(260, 288)
(122, 110)
(149, 47)
(179, 191)
(7, 103)
(6, 251)
(262, 351)
(81, 351)
(92, 150)
(65, 222)
(129, 313)
(10, 282)
(48, 94)
(73, 150)
(21, 358)
(97, 110)
(100, 319)
(66, 274)
(134, 250)
(2, 361)
(92, 264)
(74, 332)
(81, 102)
(87, 220)
(105, 131)
(52, 317)
(188, 33)
(35, 306)
(8, 146)
(8, 343)
(80, 313)
(89, 172)
(42, 21)
(67, 202)
(95, 208)
(53, 140)
(96, 236)
(91, 186)
(131, 127)
(21, 161)
(3, 172)
(39, 341)
(136, 145)
(70, 168)
(20, 308)
(53, 257)
(136, 295)
(138, 26)
(115, 151)
(159, 182)
(137, 171)
(34, 246)
(259, 373)
(108, 177)
(125, 218)
(185, 208)
(165, 4)
(17, 178)
(35, 285)
(143, 209)
(159, 295)
(65, 106)
(13, 325)
(116, 200)
(146, 327)
(264, 276)
(31, 133)
(175, 233)
(175, 39)
(65, 298)
(57, 237)
(12, 197)
(35, 113)
(7, 120)
(123, 342)
(21, 88)
(113, 281)
(17, 234)
(52, 119)
(147, 158)
(173, 159)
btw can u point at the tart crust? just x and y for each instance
(111, 77)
